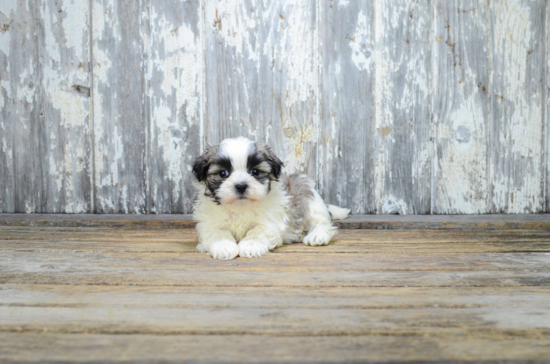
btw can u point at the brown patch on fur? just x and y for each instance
(203, 162)
(275, 163)
(298, 187)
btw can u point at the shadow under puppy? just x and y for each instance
(246, 207)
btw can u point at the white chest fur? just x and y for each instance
(240, 217)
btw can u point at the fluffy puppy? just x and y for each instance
(246, 207)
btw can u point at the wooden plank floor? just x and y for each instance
(130, 293)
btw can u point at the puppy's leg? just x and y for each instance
(219, 243)
(258, 241)
(319, 225)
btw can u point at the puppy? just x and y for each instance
(246, 207)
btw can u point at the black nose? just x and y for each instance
(241, 187)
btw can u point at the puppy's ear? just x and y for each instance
(202, 163)
(274, 161)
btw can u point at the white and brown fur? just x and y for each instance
(247, 207)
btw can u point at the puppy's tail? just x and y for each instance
(338, 213)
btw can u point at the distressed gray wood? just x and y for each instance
(231, 69)
(392, 107)
(261, 76)
(78, 294)
(64, 148)
(19, 106)
(347, 140)
(547, 110)
(45, 105)
(378, 347)
(254, 320)
(7, 107)
(382, 222)
(462, 99)
(174, 77)
(517, 177)
(403, 108)
(120, 106)
(29, 295)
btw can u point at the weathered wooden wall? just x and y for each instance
(392, 106)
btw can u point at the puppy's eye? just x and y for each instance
(255, 172)
(224, 174)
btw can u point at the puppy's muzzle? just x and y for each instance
(241, 188)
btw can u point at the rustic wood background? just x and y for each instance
(392, 106)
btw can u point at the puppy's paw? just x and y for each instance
(252, 249)
(224, 249)
(319, 236)
(201, 248)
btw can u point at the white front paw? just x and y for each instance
(252, 249)
(224, 249)
(318, 236)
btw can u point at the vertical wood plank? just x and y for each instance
(490, 85)
(174, 74)
(262, 76)
(461, 106)
(8, 109)
(19, 106)
(63, 159)
(232, 30)
(547, 70)
(403, 107)
(347, 140)
(517, 130)
(119, 106)
(289, 82)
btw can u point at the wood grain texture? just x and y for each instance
(119, 106)
(82, 294)
(410, 242)
(287, 260)
(391, 107)
(402, 105)
(517, 106)
(64, 148)
(462, 112)
(234, 348)
(266, 321)
(378, 222)
(19, 107)
(547, 110)
(45, 107)
(347, 138)
(174, 78)
(29, 295)
(418, 258)
(262, 76)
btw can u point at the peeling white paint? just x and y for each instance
(175, 105)
(233, 21)
(296, 157)
(8, 6)
(359, 43)
(461, 114)
(27, 91)
(5, 89)
(343, 3)
(75, 17)
(392, 205)
(63, 60)
(518, 107)
(274, 59)
(462, 170)
(402, 116)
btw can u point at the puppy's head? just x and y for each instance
(237, 171)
